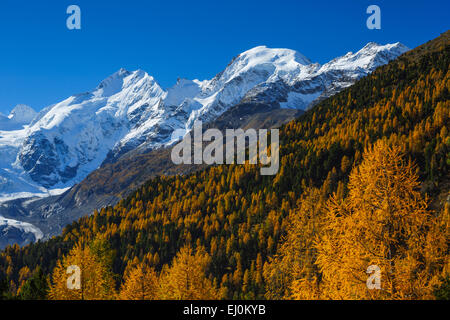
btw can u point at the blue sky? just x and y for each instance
(42, 62)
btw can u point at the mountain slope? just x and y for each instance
(114, 181)
(237, 215)
(73, 137)
(22, 114)
(129, 114)
(130, 111)
(19, 116)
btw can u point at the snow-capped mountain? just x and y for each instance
(19, 116)
(22, 114)
(130, 111)
(73, 137)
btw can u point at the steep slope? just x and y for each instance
(22, 114)
(129, 110)
(114, 181)
(13, 232)
(73, 137)
(239, 216)
(14, 182)
(129, 114)
(19, 116)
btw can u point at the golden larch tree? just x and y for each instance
(292, 273)
(96, 282)
(384, 223)
(186, 278)
(141, 283)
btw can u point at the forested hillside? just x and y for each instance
(363, 180)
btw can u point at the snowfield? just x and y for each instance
(9, 229)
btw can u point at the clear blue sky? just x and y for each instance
(42, 62)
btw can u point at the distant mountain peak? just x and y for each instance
(115, 79)
(372, 55)
(22, 114)
(391, 48)
(262, 54)
(371, 44)
(123, 71)
(130, 111)
(115, 82)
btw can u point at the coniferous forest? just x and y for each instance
(363, 181)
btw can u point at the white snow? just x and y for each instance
(23, 226)
(22, 114)
(296, 99)
(365, 58)
(129, 110)
(40, 193)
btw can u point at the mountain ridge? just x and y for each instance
(239, 217)
(144, 115)
(133, 115)
(130, 110)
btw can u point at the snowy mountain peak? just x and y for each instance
(127, 90)
(373, 47)
(263, 54)
(130, 111)
(113, 83)
(368, 58)
(381, 47)
(274, 63)
(22, 114)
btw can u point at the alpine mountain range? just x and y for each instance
(45, 154)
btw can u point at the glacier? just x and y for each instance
(48, 152)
